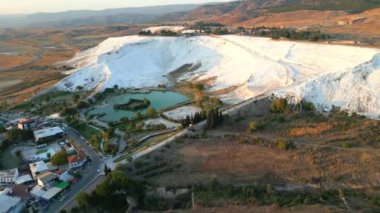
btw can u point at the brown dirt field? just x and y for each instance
(10, 61)
(52, 58)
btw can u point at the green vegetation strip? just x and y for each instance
(41, 151)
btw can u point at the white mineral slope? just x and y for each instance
(356, 91)
(158, 29)
(256, 65)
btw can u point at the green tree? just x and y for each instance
(252, 126)
(70, 112)
(3, 105)
(151, 112)
(80, 88)
(138, 116)
(308, 106)
(199, 86)
(76, 97)
(125, 120)
(18, 153)
(83, 199)
(82, 104)
(214, 118)
(59, 158)
(106, 169)
(284, 145)
(18, 135)
(95, 141)
(278, 105)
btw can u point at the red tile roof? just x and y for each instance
(76, 158)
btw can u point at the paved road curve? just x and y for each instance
(96, 165)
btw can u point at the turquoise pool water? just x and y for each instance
(158, 99)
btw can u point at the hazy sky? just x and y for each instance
(32, 6)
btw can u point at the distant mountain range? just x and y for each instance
(228, 13)
(92, 17)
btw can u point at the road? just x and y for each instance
(87, 179)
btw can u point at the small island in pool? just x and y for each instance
(133, 104)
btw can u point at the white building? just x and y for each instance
(10, 204)
(8, 177)
(38, 168)
(77, 160)
(48, 133)
(24, 179)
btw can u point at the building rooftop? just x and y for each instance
(47, 177)
(25, 121)
(23, 178)
(37, 191)
(7, 202)
(38, 167)
(10, 173)
(77, 158)
(62, 185)
(42, 133)
(51, 193)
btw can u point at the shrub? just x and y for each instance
(138, 164)
(151, 112)
(347, 145)
(199, 86)
(252, 126)
(281, 119)
(308, 106)
(138, 116)
(284, 145)
(278, 105)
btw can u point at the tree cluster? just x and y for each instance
(111, 194)
(214, 118)
(18, 135)
(277, 33)
(69, 112)
(168, 33)
(220, 31)
(196, 118)
(205, 25)
(145, 32)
